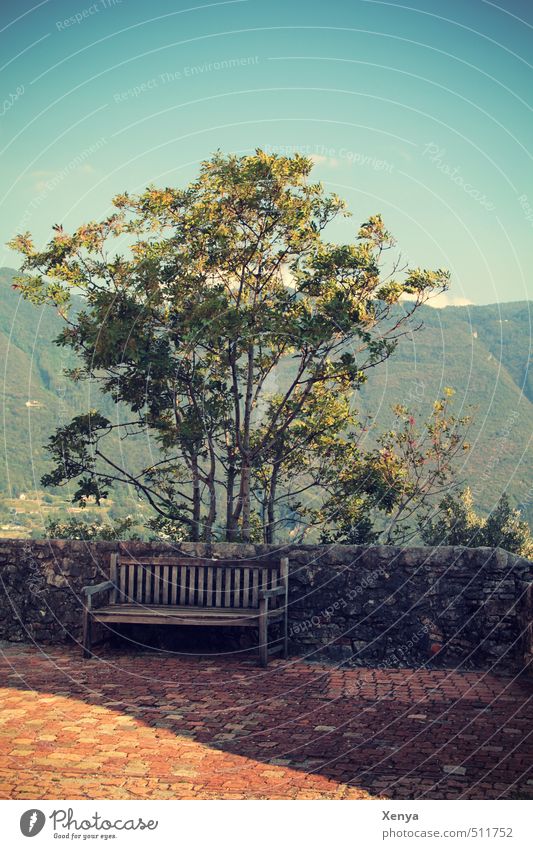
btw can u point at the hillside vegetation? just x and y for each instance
(483, 352)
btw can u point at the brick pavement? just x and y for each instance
(155, 726)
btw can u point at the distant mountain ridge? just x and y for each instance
(483, 352)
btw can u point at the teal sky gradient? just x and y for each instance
(422, 112)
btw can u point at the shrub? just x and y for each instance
(457, 523)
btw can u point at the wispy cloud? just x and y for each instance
(42, 177)
(445, 299)
(329, 161)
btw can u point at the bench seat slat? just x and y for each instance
(166, 585)
(227, 592)
(149, 584)
(123, 593)
(237, 589)
(273, 584)
(156, 598)
(209, 592)
(246, 588)
(174, 572)
(168, 609)
(183, 584)
(145, 582)
(200, 600)
(218, 594)
(255, 587)
(113, 576)
(170, 615)
(131, 583)
(191, 578)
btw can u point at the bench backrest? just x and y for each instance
(196, 582)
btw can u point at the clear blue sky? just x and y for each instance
(422, 112)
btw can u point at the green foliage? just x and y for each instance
(413, 374)
(75, 528)
(505, 528)
(457, 523)
(224, 281)
(384, 493)
(165, 529)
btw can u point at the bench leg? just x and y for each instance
(263, 637)
(286, 636)
(87, 632)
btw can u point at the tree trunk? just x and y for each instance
(196, 503)
(246, 502)
(271, 507)
(212, 514)
(231, 526)
(210, 481)
(243, 510)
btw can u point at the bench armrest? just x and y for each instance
(98, 588)
(272, 593)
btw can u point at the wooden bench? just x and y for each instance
(193, 591)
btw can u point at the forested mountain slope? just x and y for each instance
(483, 352)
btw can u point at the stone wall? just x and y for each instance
(378, 605)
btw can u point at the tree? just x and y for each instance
(457, 523)
(221, 286)
(386, 493)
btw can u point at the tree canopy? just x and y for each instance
(234, 335)
(457, 523)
